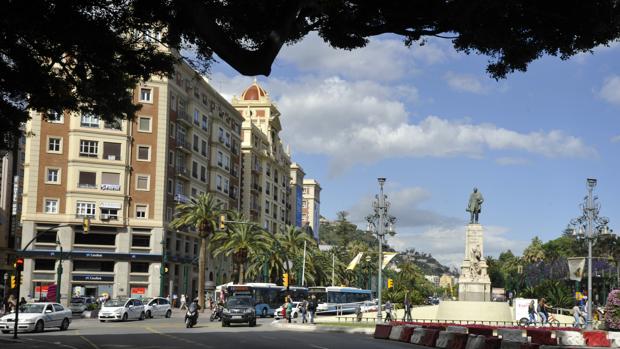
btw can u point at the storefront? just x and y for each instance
(92, 285)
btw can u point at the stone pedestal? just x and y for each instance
(474, 282)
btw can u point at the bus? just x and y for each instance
(343, 300)
(267, 296)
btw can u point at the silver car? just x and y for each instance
(157, 306)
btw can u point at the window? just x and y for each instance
(226, 162)
(171, 158)
(205, 122)
(109, 214)
(111, 151)
(144, 152)
(113, 125)
(140, 241)
(304, 204)
(173, 102)
(54, 145)
(87, 180)
(227, 139)
(203, 148)
(220, 159)
(142, 182)
(172, 130)
(196, 117)
(110, 181)
(203, 173)
(44, 264)
(168, 214)
(194, 192)
(146, 95)
(186, 246)
(89, 120)
(170, 186)
(218, 182)
(139, 267)
(89, 148)
(55, 117)
(93, 265)
(53, 176)
(226, 185)
(51, 206)
(144, 124)
(85, 209)
(196, 143)
(194, 169)
(141, 211)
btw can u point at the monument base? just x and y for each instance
(476, 311)
(475, 291)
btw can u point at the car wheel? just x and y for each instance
(125, 317)
(141, 316)
(168, 313)
(252, 323)
(39, 327)
(148, 314)
(65, 325)
(5, 331)
(224, 324)
(101, 320)
(264, 313)
(295, 315)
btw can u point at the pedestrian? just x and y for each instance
(577, 315)
(183, 302)
(407, 303)
(22, 301)
(531, 310)
(210, 303)
(312, 308)
(174, 300)
(289, 311)
(542, 311)
(358, 313)
(303, 306)
(283, 312)
(388, 311)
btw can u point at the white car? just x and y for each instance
(157, 306)
(294, 314)
(122, 309)
(37, 317)
(81, 304)
(368, 306)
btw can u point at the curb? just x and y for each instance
(320, 328)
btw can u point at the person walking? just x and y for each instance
(183, 302)
(531, 311)
(577, 315)
(289, 311)
(312, 308)
(388, 311)
(542, 311)
(303, 306)
(175, 299)
(407, 303)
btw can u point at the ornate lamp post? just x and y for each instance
(380, 223)
(589, 226)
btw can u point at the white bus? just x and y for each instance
(332, 299)
(267, 296)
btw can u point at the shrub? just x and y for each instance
(612, 310)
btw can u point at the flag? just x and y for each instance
(575, 268)
(355, 261)
(387, 257)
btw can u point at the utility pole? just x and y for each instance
(59, 273)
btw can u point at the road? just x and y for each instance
(172, 334)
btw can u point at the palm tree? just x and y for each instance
(243, 240)
(291, 242)
(202, 213)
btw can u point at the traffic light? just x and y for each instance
(285, 279)
(86, 225)
(13, 282)
(19, 264)
(223, 222)
(390, 283)
(166, 270)
(21, 279)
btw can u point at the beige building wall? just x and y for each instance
(311, 205)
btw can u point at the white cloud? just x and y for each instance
(382, 59)
(583, 56)
(508, 160)
(610, 91)
(447, 243)
(465, 83)
(615, 139)
(361, 122)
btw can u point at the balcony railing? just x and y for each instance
(181, 170)
(181, 198)
(183, 116)
(111, 187)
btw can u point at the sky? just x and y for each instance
(435, 125)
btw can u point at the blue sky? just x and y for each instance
(435, 125)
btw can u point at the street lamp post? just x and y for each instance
(59, 275)
(162, 269)
(589, 226)
(379, 223)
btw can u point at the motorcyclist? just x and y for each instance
(193, 309)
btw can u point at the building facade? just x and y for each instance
(296, 194)
(127, 177)
(311, 205)
(265, 184)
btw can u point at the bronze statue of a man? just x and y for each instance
(475, 206)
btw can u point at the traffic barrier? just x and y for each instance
(614, 339)
(541, 336)
(481, 331)
(457, 329)
(405, 335)
(508, 344)
(396, 332)
(572, 338)
(476, 342)
(513, 335)
(429, 337)
(416, 336)
(492, 342)
(382, 331)
(443, 339)
(596, 338)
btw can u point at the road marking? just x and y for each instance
(89, 342)
(317, 346)
(150, 329)
(55, 343)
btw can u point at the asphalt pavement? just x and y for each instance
(171, 333)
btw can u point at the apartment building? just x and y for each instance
(265, 184)
(127, 177)
(311, 205)
(296, 194)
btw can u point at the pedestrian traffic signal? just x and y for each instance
(13, 282)
(390, 283)
(19, 264)
(86, 225)
(223, 222)
(285, 279)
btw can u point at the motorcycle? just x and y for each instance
(216, 314)
(191, 318)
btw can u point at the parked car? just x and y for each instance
(37, 317)
(369, 306)
(239, 309)
(294, 314)
(122, 309)
(81, 304)
(157, 306)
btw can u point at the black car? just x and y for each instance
(239, 309)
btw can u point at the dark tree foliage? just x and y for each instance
(88, 54)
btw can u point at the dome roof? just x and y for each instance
(253, 93)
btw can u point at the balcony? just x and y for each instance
(183, 145)
(255, 186)
(181, 198)
(221, 139)
(182, 171)
(184, 117)
(111, 187)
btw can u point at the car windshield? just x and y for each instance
(115, 303)
(77, 300)
(31, 308)
(236, 302)
(147, 300)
